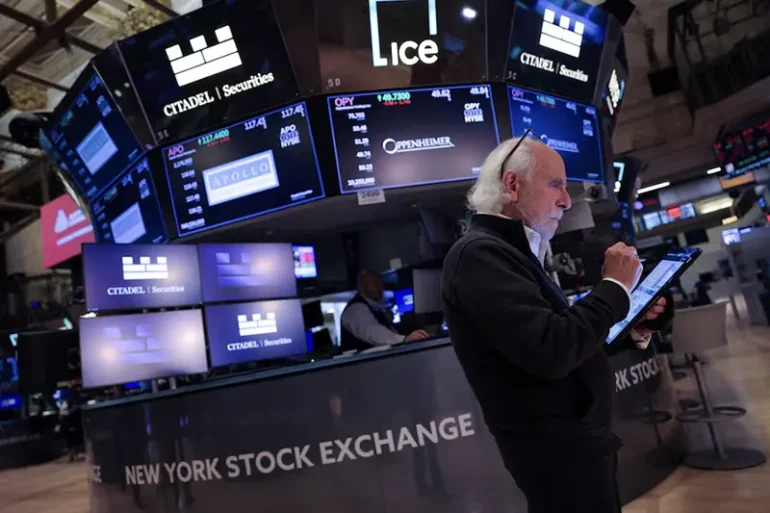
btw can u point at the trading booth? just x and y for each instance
(188, 142)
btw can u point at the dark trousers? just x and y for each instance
(584, 486)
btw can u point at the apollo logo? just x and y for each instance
(257, 325)
(243, 177)
(407, 53)
(205, 61)
(560, 37)
(145, 269)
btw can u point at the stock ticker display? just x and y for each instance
(253, 167)
(412, 137)
(129, 211)
(748, 149)
(568, 127)
(92, 137)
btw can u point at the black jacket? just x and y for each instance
(348, 341)
(536, 365)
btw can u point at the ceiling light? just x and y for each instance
(713, 170)
(468, 13)
(730, 220)
(654, 187)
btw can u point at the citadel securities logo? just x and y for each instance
(145, 269)
(560, 37)
(391, 146)
(257, 325)
(407, 52)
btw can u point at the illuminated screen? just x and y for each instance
(127, 348)
(242, 272)
(261, 330)
(404, 300)
(304, 262)
(263, 164)
(129, 211)
(568, 127)
(744, 151)
(385, 44)
(63, 228)
(557, 48)
(402, 138)
(136, 276)
(92, 137)
(217, 63)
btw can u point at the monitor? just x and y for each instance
(244, 170)
(427, 290)
(63, 228)
(731, 236)
(126, 348)
(46, 358)
(557, 47)
(212, 65)
(92, 136)
(11, 402)
(568, 127)
(137, 276)
(384, 44)
(743, 150)
(694, 237)
(129, 212)
(304, 262)
(412, 137)
(243, 272)
(404, 300)
(262, 330)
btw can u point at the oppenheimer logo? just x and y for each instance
(391, 146)
(407, 52)
(205, 61)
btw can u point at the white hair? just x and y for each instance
(487, 196)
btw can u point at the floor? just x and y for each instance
(743, 368)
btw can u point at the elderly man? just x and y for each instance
(535, 363)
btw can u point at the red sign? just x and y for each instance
(64, 227)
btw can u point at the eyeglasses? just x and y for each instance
(528, 134)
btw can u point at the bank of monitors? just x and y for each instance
(242, 272)
(263, 330)
(741, 151)
(568, 127)
(129, 211)
(412, 137)
(253, 167)
(91, 135)
(132, 277)
(126, 348)
(304, 262)
(213, 65)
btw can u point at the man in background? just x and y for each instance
(365, 322)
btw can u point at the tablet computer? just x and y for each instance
(672, 266)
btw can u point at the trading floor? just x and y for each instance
(737, 375)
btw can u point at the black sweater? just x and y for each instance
(535, 364)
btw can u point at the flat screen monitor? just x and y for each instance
(126, 348)
(404, 300)
(129, 212)
(92, 136)
(568, 127)
(427, 290)
(744, 150)
(137, 276)
(243, 272)
(731, 236)
(11, 402)
(557, 47)
(304, 262)
(251, 168)
(262, 330)
(412, 137)
(223, 61)
(384, 44)
(64, 227)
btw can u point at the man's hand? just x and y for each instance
(653, 313)
(417, 335)
(621, 263)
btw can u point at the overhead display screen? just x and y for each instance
(557, 48)
(129, 211)
(244, 170)
(304, 262)
(741, 152)
(242, 272)
(126, 348)
(214, 64)
(412, 137)
(138, 276)
(63, 229)
(385, 44)
(93, 139)
(568, 127)
(262, 330)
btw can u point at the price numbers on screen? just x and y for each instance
(368, 168)
(296, 110)
(214, 138)
(571, 106)
(480, 91)
(254, 123)
(193, 198)
(362, 141)
(395, 98)
(442, 93)
(361, 129)
(357, 116)
(364, 154)
(188, 174)
(195, 211)
(191, 186)
(546, 100)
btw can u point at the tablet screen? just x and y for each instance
(646, 291)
